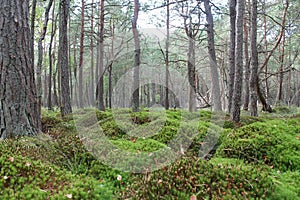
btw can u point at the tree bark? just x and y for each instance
(238, 78)
(100, 49)
(92, 93)
(254, 61)
(247, 60)
(216, 98)
(19, 112)
(63, 61)
(80, 76)
(167, 58)
(137, 52)
(232, 10)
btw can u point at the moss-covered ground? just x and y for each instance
(259, 158)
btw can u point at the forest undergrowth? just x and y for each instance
(258, 158)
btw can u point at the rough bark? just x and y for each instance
(238, 78)
(63, 61)
(232, 9)
(254, 61)
(137, 52)
(247, 60)
(191, 74)
(100, 67)
(216, 98)
(19, 113)
(32, 25)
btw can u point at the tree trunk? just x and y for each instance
(100, 49)
(40, 54)
(254, 61)
(63, 61)
(92, 93)
(167, 57)
(191, 74)
(32, 24)
(19, 112)
(80, 76)
(137, 52)
(216, 98)
(238, 78)
(49, 103)
(232, 8)
(153, 88)
(281, 74)
(247, 61)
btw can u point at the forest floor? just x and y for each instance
(258, 158)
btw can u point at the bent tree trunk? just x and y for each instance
(19, 113)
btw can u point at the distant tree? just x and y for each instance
(19, 111)
(63, 61)
(40, 52)
(216, 94)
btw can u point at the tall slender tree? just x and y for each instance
(254, 60)
(19, 112)
(232, 10)
(63, 61)
(100, 61)
(80, 76)
(167, 56)
(216, 98)
(238, 77)
(137, 52)
(40, 53)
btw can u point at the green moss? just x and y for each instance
(23, 178)
(218, 179)
(274, 142)
(143, 145)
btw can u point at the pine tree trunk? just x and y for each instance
(80, 76)
(167, 57)
(216, 94)
(19, 112)
(247, 60)
(100, 67)
(232, 8)
(254, 61)
(63, 61)
(238, 78)
(137, 52)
